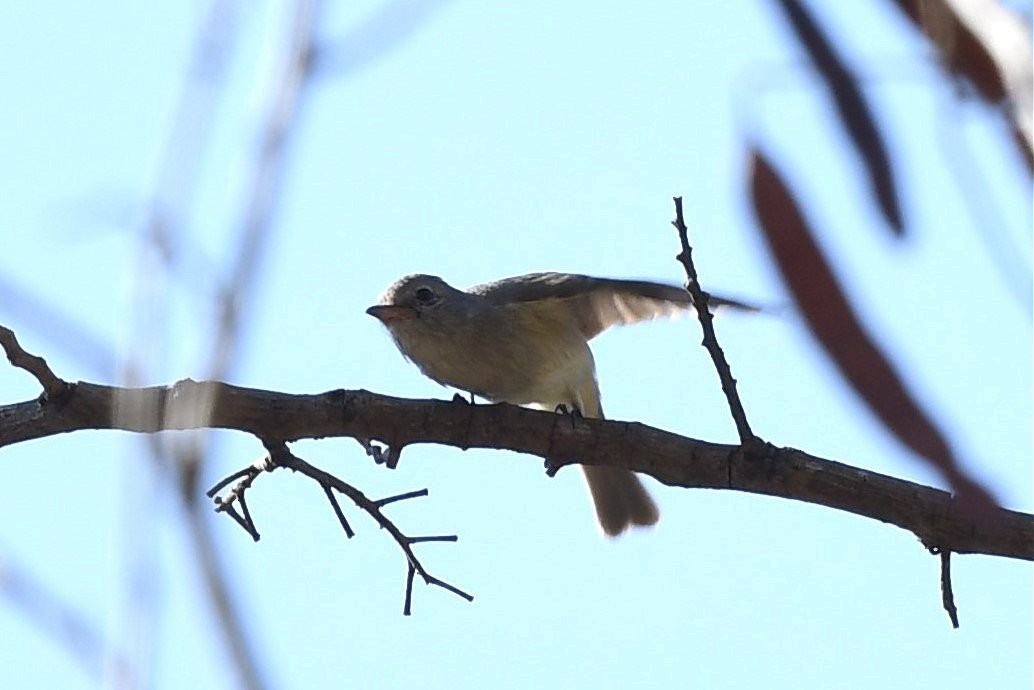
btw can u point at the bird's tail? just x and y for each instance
(619, 497)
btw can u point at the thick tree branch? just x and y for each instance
(931, 514)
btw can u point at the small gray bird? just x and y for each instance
(525, 340)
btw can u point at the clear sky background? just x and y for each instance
(476, 141)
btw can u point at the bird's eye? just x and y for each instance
(424, 295)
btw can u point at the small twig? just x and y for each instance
(53, 386)
(247, 471)
(444, 537)
(242, 481)
(338, 512)
(401, 497)
(710, 342)
(388, 455)
(281, 456)
(407, 606)
(248, 527)
(246, 514)
(431, 580)
(947, 596)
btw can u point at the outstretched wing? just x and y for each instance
(598, 303)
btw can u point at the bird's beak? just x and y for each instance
(387, 313)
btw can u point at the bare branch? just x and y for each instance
(401, 497)
(710, 342)
(281, 456)
(53, 387)
(349, 532)
(931, 514)
(947, 596)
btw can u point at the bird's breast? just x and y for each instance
(510, 361)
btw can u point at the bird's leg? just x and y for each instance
(574, 413)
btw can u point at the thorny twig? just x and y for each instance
(710, 342)
(748, 440)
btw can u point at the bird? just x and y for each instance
(525, 340)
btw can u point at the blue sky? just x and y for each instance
(497, 140)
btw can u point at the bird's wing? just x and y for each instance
(598, 303)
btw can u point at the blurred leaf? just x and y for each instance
(855, 113)
(961, 52)
(834, 323)
(964, 54)
(1024, 146)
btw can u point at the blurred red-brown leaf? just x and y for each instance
(961, 53)
(835, 324)
(1024, 148)
(854, 111)
(965, 54)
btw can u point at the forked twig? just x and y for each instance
(53, 386)
(281, 456)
